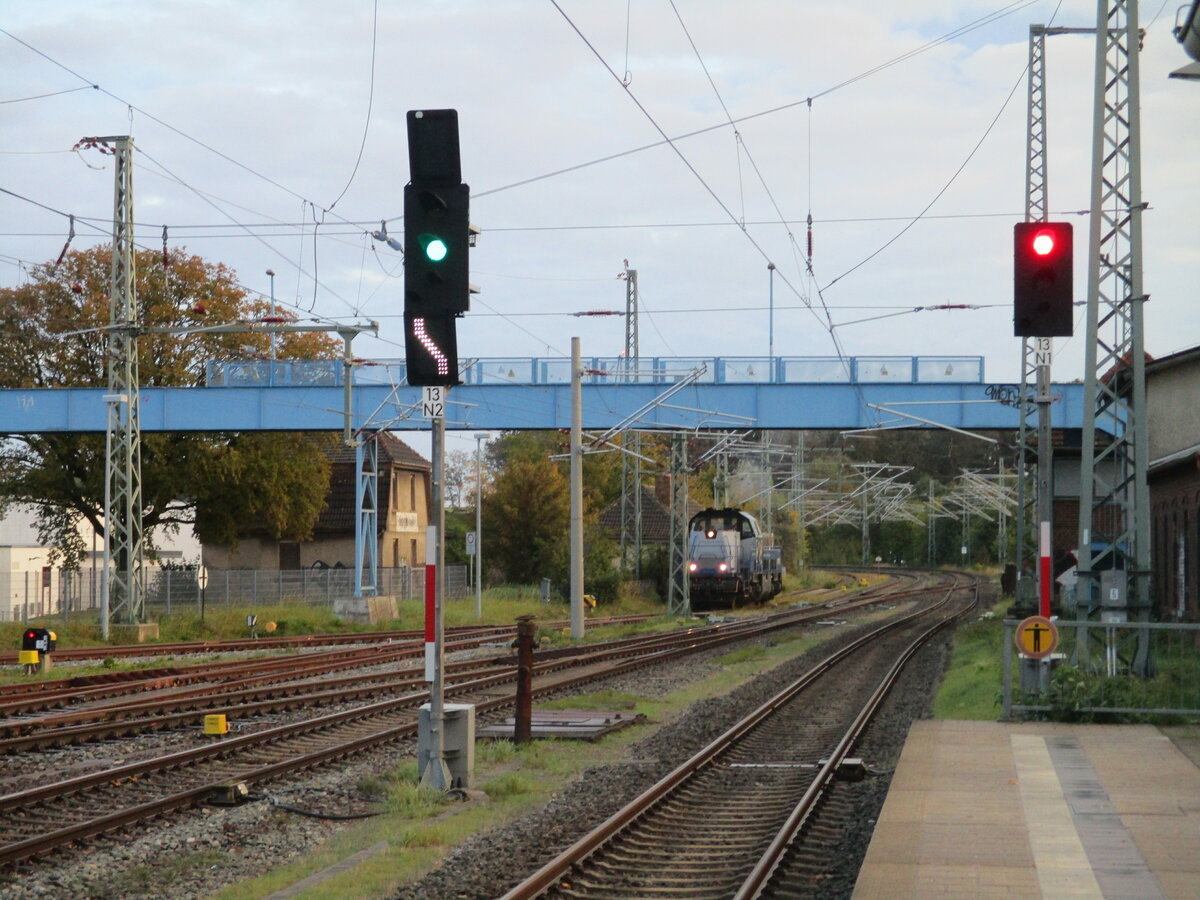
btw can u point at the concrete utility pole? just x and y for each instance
(631, 463)
(576, 476)
(480, 436)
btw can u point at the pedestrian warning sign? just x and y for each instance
(1037, 637)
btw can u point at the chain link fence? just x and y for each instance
(54, 592)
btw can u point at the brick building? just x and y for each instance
(1173, 421)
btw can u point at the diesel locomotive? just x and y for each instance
(731, 562)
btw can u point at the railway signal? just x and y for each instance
(430, 350)
(1043, 254)
(436, 241)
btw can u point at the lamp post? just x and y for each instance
(480, 436)
(274, 314)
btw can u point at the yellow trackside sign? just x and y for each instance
(1037, 637)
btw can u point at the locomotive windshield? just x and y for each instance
(723, 520)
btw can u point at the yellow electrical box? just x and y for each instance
(28, 657)
(216, 724)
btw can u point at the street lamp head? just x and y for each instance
(271, 272)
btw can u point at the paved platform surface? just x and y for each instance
(1037, 810)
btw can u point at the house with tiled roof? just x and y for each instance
(656, 514)
(404, 512)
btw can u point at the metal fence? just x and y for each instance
(33, 595)
(1093, 672)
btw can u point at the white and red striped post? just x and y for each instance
(431, 545)
(1045, 570)
(435, 774)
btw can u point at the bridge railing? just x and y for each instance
(615, 370)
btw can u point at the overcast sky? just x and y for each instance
(249, 118)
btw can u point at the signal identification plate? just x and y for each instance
(433, 402)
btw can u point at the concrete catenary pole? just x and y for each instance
(576, 491)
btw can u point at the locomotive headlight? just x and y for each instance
(692, 567)
(711, 533)
(722, 568)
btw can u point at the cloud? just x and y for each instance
(276, 96)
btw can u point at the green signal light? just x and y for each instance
(435, 248)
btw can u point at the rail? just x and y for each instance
(680, 781)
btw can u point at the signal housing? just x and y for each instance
(1043, 289)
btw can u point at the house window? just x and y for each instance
(396, 561)
(412, 552)
(412, 493)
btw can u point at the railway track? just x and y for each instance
(266, 695)
(731, 822)
(293, 642)
(40, 819)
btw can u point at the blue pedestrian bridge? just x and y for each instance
(535, 393)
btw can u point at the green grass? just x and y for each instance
(971, 686)
(501, 605)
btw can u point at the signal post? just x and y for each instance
(1043, 308)
(436, 293)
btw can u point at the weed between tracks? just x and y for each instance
(514, 778)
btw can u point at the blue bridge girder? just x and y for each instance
(535, 394)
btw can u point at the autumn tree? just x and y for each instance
(526, 518)
(54, 336)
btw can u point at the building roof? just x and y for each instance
(656, 518)
(340, 504)
(391, 450)
(1179, 358)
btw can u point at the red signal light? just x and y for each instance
(1042, 284)
(1043, 243)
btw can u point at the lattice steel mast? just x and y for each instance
(679, 602)
(1114, 463)
(1036, 190)
(123, 544)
